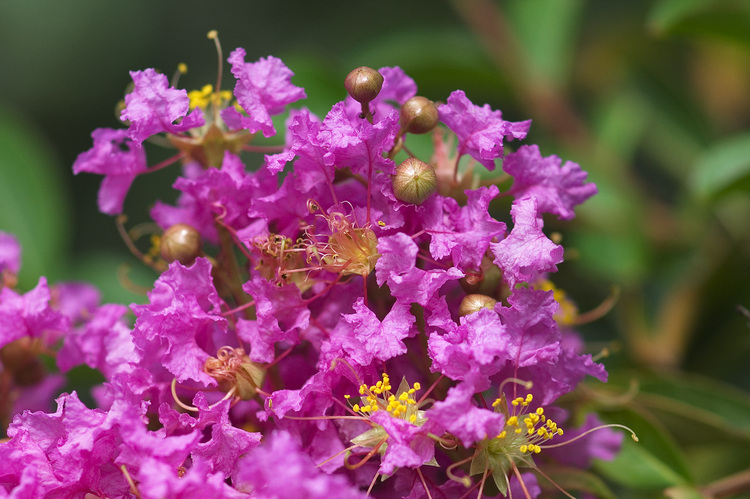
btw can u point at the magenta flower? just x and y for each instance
(116, 156)
(526, 252)
(459, 415)
(154, 107)
(30, 315)
(480, 130)
(557, 189)
(464, 233)
(10, 254)
(263, 89)
(177, 327)
(280, 470)
(371, 339)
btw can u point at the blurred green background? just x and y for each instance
(652, 98)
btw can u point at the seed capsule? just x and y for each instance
(414, 181)
(418, 115)
(181, 242)
(363, 84)
(474, 303)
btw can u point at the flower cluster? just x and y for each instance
(343, 262)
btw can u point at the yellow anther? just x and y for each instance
(540, 410)
(417, 386)
(559, 431)
(347, 396)
(413, 418)
(355, 408)
(182, 68)
(381, 223)
(524, 448)
(496, 403)
(529, 397)
(512, 421)
(502, 434)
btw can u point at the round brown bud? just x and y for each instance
(474, 303)
(363, 84)
(418, 115)
(181, 242)
(414, 181)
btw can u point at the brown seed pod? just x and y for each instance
(418, 115)
(414, 181)
(363, 84)
(474, 303)
(181, 242)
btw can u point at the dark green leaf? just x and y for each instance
(572, 479)
(722, 165)
(547, 31)
(655, 462)
(33, 205)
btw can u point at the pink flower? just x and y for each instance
(153, 107)
(526, 252)
(557, 189)
(263, 89)
(480, 130)
(119, 159)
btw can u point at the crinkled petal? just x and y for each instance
(480, 130)
(153, 107)
(557, 189)
(263, 89)
(526, 252)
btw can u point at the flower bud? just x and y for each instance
(363, 84)
(414, 181)
(418, 115)
(181, 242)
(474, 303)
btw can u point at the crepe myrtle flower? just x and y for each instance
(289, 299)
(527, 432)
(202, 124)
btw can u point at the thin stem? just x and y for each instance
(632, 435)
(366, 458)
(167, 162)
(424, 484)
(131, 483)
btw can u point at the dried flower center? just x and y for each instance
(347, 250)
(281, 259)
(234, 371)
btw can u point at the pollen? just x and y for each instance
(525, 430)
(402, 404)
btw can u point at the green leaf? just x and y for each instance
(655, 462)
(702, 400)
(726, 25)
(570, 479)
(722, 166)
(667, 13)
(547, 31)
(33, 203)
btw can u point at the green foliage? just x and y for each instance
(33, 201)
